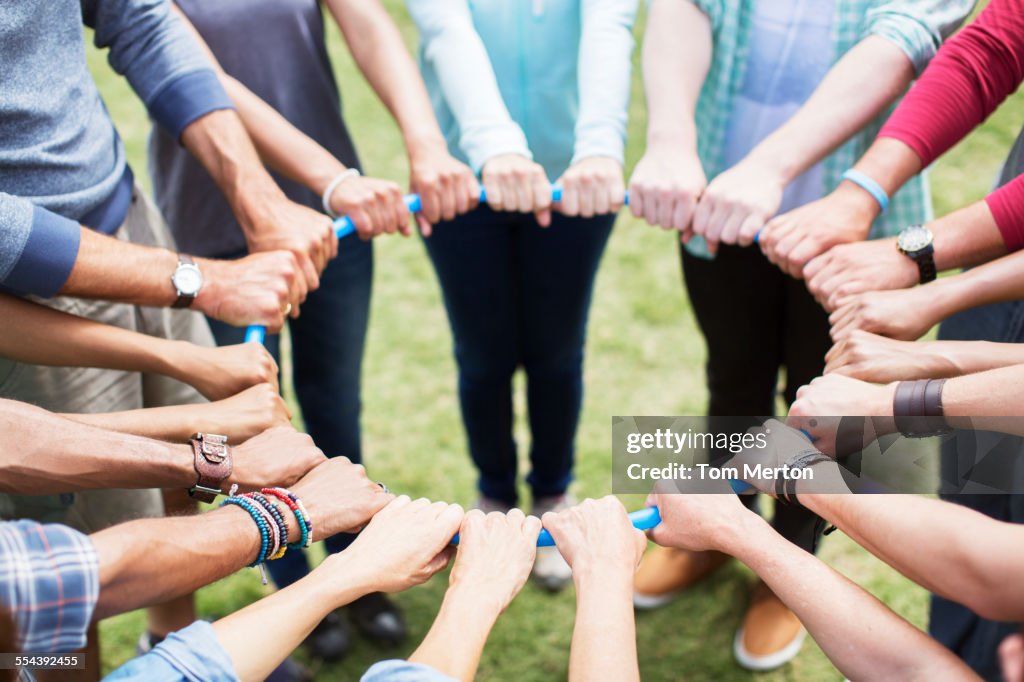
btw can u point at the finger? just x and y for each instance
(464, 193)
(362, 222)
(450, 519)
(570, 199)
(682, 214)
(731, 225)
(651, 208)
(426, 229)
(541, 192)
(449, 198)
(701, 215)
(495, 195)
(309, 273)
(666, 207)
(430, 204)
(813, 268)
(439, 562)
(801, 256)
(524, 195)
(637, 199)
(531, 527)
(748, 230)
(588, 203)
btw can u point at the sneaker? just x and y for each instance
(489, 504)
(550, 571)
(665, 573)
(377, 618)
(330, 640)
(771, 635)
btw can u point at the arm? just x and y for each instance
(669, 179)
(880, 360)
(860, 86)
(603, 548)
(815, 592)
(496, 553)
(151, 561)
(955, 540)
(494, 144)
(908, 314)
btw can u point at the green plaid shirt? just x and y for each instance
(918, 27)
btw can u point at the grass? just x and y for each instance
(645, 357)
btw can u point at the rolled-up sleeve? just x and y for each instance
(605, 65)
(189, 655)
(160, 59)
(452, 47)
(403, 671)
(37, 248)
(917, 27)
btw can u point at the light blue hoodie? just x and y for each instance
(548, 79)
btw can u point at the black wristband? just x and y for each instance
(917, 408)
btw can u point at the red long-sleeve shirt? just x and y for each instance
(969, 78)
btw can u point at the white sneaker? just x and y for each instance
(549, 568)
(489, 504)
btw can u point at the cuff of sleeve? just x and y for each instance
(48, 256)
(187, 99)
(916, 41)
(196, 653)
(403, 671)
(604, 144)
(483, 145)
(1007, 206)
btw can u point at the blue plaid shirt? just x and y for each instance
(49, 583)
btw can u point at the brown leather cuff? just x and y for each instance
(917, 408)
(212, 461)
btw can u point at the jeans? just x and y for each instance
(327, 353)
(757, 320)
(519, 295)
(972, 638)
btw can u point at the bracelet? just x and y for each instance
(325, 198)
(295, 504)
(869, 186)
(281, 544)
(261, 524)
(917, 408)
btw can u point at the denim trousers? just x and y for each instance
(969, 636)
(518, 295)
(327, 354)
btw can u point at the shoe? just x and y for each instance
(290, 671)
(550, 571)
(147, 640)
(489, 504)
(771, 635)
(330, 640)
(665, 573)
(377, 618)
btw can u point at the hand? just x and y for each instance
(596, 537)
(781, 443)
(256, 289)
(592, 186)
(514, 183)
(447, 187)
(374, 206)
(496, 553)
(277, 457)
(880, 360)
(405, 544)
(282, 224)
(850, 269)
(665, 188)
(220, 372)
(699, 522)
(246, 415)
(843, 415)
(737, 204)
(792, 239)
(905, 314)
(340, 497)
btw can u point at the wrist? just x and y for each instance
(735, 538)
(859, 204)
(182, 464)
(602, 576)
(346, 576)
(210, 294)
(472, 605)
(774, 164)
(674, 140)
(424, 145)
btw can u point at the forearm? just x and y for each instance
(958, 539)
(43, 453)
(174, 423)
(456, 640)
(604, 637)
(256, 649)
(381, 55)
(676, 57)
(816, 593)
(112, 270)
(969, 357)
(152, 561)
(995, 282)
(857, 89)
(987, 400)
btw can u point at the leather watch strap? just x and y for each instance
(184, 300)
(212, 461)
(926, 265)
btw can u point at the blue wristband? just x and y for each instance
(869, 186)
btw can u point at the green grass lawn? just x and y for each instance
(645, 357)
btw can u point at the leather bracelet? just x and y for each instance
(917, 408)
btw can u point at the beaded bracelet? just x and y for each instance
(272, 523)
(301, 516)
(271, 508)
(261, 524)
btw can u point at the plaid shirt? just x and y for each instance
(917, 27)
(49, 583)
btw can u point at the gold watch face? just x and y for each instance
(914, 239)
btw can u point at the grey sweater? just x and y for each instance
(61, 161)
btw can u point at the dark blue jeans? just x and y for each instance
(327, 355)
(971, 637)
(518, 295)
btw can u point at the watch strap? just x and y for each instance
(183, 300)
(212, 462)
(925, 259)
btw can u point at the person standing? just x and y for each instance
(757, 107)
(527, 93)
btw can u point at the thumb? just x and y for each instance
(426, 229)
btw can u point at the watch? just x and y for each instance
(212, 463)
(187, 281)
(916, 243)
